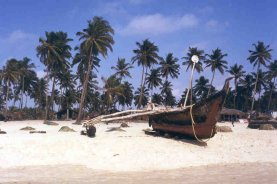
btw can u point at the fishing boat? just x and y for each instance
(198, 121)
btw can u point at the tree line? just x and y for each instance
(63, 88)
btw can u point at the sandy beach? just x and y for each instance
(130, 150)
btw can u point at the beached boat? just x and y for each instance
(197, 121)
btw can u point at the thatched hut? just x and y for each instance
(231, 114)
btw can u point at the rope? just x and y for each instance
(193, 123)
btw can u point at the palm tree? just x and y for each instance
(112, 90)
(122, 68)
(169, 66)
(97, 39)
(272, 75)
(188, 62)
(216, 62)
(60, 65)
(48, 52)
(127, 97)
(258, 57)
(9, 75)
(201, 87)
(248, 85)
(153, 79)
(157, 98)
(141, 99)
(166, 92)
(237, 72)
(260, 79)
(146, 55)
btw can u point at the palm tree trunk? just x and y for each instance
(255, 88)
(270, 96)
(46, 98)
(84, 91)
(7, 97)
(21, 103)
(141, 87)
(235, 95)
(211, 85)
(52, 94)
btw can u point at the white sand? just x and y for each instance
(131, 150)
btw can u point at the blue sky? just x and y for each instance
(230, 25)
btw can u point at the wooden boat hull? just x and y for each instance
(205, 114)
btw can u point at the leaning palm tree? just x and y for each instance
(169, 67)
(260, 79)
(259, 56)
(237, 72)
(146, 55)
(189, 63)
(216, 62)
(122, 68)
(272, 75)
(97, 39)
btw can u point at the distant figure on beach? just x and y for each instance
(233, 122)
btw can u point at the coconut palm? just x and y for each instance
(122, 68)
(157, 98)
(39, 93)
(237, 72)
(153, 79)
(60, 65)
(9, 75)
(142, 100)
(216, 62)
(272, 75)
(146, 55)
(96, 39)
(127, 97)
(48, 52)
(259, 56)
(169, 67)
(260, 79)
(201, 87)
(188, 62)
(166, 92)
(112, 90)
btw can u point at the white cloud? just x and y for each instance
(18, 35)
(215, 25)
(41, 74)
(158, 24)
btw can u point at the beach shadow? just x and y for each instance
(194, 142)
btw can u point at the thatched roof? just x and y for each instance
(226, 111)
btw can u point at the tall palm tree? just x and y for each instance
(188, 62)
(237, 72)
(201, 87)
(259, 56)
(146, 55)
(157, 98)
(247, 84)
(60, 65)
(142, 100)
(27, 77)
(260, 78)
(48, 52)
(169, 67)
(122, 68)
(97, 39)
(9, 75)
(216, 62)
(272, 75)
(153, 79)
